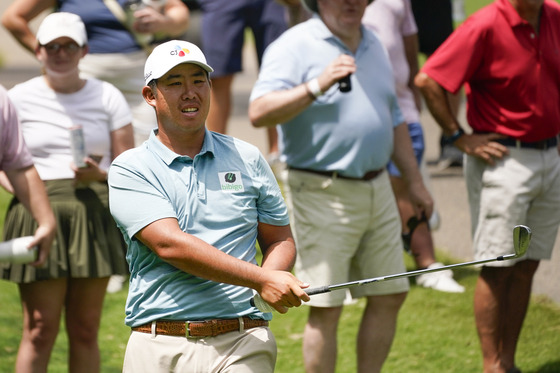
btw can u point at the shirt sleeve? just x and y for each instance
(117, 107)
(409, 26)
(279, 70)
(459, 57)
(135, 201)
(14, 152)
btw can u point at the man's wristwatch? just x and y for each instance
(450, 140)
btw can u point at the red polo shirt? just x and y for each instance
(511, 73)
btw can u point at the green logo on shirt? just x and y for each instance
(231, 181)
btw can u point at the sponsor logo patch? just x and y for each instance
(231, 181)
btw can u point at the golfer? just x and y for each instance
(192, 205)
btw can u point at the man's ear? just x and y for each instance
(85, 50)
(149, 96)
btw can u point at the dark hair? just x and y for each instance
(152, 84)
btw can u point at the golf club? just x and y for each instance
(521, 240)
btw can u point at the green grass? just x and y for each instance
(435, 333)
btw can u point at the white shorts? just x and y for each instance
(345, 230)
(522, 188)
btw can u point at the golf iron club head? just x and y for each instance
(521, 240)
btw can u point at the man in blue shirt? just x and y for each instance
(192, 205)
(336, 144)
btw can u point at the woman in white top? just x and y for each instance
(88, 247)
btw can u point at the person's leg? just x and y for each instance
(377, 331)
(319, 339)
(42, 303)
(84, 303)
(488, 297)
(517, 301)
(500, 305)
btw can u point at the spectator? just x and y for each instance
(434, 19)
(337, 145)
(116, 53)
(88, 247)
(505, 55)
(394, 23)
(20, 178)
(223, 33)
(202, 201)
(117, 47)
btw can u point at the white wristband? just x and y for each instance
(313, 86)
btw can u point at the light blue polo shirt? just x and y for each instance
(347, 132)
(219, 197)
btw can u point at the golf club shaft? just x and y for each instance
(521, 240)
(345, 285)
(258, 302)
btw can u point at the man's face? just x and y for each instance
(60, 55)
(182, 101)
(342, 14)
(523, 6)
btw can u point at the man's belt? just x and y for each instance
(370, 175)
(199, 329)
(540, 145)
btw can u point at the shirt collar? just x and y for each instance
(511, 15)
(321, 31)
(168, 156)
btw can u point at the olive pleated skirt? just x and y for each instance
(88, 243)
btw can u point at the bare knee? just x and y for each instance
(82, 331)
(41, 334)
(386, 303)
(324, 317)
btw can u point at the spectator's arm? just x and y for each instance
(173, 21)
(437, 99)
(31, 192)
(405, 160)
(17, 17)
(411, 52)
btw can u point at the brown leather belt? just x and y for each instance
(370, 175)
(200, 329)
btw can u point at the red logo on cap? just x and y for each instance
(181, 52)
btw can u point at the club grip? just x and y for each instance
(260, 304)
(319, 290)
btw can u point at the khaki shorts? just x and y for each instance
(345, 230)
(253, 350)
(523, 188)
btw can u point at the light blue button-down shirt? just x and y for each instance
(219, 197)
(347, 132)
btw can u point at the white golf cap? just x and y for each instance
(60, 24)
(166, 56)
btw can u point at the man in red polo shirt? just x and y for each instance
(508, 57)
